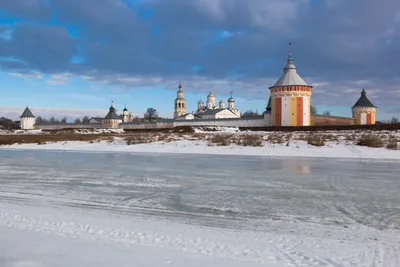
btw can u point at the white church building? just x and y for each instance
(205, 112)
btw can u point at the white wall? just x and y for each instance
(60, 126)
(27, 123)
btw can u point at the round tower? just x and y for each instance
(125, 115)
(231, 102)
(290, 98)
(221, 104)
(27, 120)
(180, 103)
(363, 110)
(211, 100)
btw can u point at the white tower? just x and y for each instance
(180, 103)
(231, 102)
(126, 115)
(221, 104)
(27, 120)
(211, 101)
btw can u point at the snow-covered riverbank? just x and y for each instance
(294, 149)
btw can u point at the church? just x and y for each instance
(208, 111)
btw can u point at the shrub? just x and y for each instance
(393, 144)
(221, 140)
(250, 140)
(136, 139)
(316, 140)
(370, 141)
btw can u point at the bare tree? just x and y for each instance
(250, 113)
(52, 120)
(39, 120)
(326, 113)
(150, 114)
(85, 119)
(313, 110)
(395, 120)
(64, 120)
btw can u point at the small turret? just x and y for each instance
(221, 104)
(231, 102)
(363, 110)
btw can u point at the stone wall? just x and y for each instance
(60, 126)
(331, 120)
(168, 124)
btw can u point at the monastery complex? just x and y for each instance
(289, 104)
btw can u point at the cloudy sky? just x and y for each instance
(72, 57)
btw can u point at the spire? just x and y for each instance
(125, 109)
(363, 93)
(363, 101)
(180, 85)
(231, 93)
(289, 64)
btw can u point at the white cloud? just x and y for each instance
(27, 75)
(58, 79)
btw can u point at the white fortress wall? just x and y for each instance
(60, 126)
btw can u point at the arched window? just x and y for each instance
(179, 105)
(183, 105)
(176, 105)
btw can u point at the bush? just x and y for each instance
(316, 140)
(250, 140)
(221, 140)
(136, 139)
(370, 141)
(393, 145)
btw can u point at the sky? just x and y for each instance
(72, 57)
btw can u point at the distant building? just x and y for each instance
(111, 120)
(180, 103)
(27, 120)
(363, 110)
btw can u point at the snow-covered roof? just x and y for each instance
(290, 76)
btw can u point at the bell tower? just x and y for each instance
(180, 102)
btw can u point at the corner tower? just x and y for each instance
(363, 110)
(290, 98)
(180, 103)
(27, 120)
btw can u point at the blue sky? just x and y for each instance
(72, 57)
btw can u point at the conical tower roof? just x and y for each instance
(290, 76)
(27, 113)
(112, 115)
(363, 101)
(269, 105)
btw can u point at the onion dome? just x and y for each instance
(125, 109)
(200, 102)
(231, 99)
(363, 101)
(290, 76)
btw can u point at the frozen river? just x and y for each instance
(308, 197)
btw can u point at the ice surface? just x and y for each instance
(127, 209)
